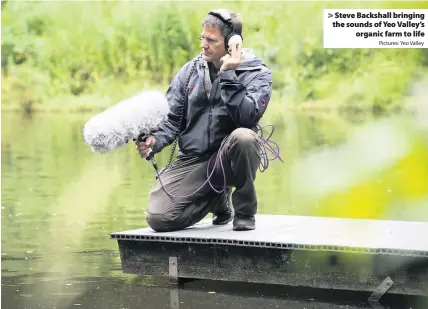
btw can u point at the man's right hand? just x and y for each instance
(144, 147)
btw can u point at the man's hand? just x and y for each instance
(144, 147)
(231, 62)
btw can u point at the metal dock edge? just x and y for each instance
(376, 256)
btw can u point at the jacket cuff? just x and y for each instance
(229, 75)
(156, 148)
(159, 142)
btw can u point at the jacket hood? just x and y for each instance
(249, 60)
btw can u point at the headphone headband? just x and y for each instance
(226, 18)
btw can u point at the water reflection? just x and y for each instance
(60, 201)
(146, 293)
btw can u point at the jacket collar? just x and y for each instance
(249, 61)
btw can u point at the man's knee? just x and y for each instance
(158, 222)
(244, 137)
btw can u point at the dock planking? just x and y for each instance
(376, 256)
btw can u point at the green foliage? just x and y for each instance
(52, 49)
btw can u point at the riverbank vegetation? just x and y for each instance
(85, 55)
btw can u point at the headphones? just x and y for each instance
(225, 17)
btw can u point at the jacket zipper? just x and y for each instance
(209, 127)
(212, 94)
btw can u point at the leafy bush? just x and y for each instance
(71, 48)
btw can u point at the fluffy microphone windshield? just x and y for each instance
(125, 121)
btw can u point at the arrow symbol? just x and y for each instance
(330, 15)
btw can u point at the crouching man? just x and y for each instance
(216, 101)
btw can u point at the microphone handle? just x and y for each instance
(151, 155)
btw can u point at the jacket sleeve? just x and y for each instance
(168, 129)
(246, 103)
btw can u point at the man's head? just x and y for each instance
(214, 32)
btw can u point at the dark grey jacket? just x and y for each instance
(238, 99)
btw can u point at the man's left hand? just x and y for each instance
(231, 62)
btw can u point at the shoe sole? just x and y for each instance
(243, 228)
(224, 221)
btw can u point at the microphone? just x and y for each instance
(130, 119)
(151, 155)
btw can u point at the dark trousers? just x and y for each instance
(239, 158)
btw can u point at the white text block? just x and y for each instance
(383, 28)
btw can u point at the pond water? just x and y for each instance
(60, 202)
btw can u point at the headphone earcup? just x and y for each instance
(226, 42)
(233, 39)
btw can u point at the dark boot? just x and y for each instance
(225, 214)
(244, 223)
(223, 218)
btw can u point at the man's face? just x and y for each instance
(212, 43)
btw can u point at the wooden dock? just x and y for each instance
(376, 256)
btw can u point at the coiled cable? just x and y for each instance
(266, 145)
